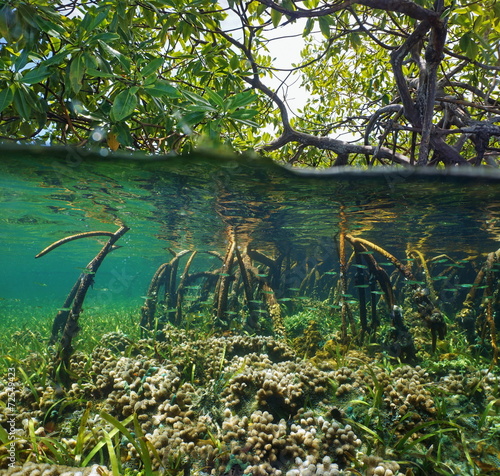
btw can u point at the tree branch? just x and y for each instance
(407, 7)
(427, 91)
(335, 145)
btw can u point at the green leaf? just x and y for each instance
(98, 19)
(123, 134)
(124, 61)
(324, 26)
(36, 75)
(6, 98)
(469, 46)
(355, 40)
(7, 19)
(214, 98)
(22, 103)
(309, 26)
(244, 114)
(150, 17)
(76, 72)
(234, 62)
(53, 29)
(246, 122)
(193, 118)
(241, 100)
(152, 67)
(123, 105)
(57, 58)
(275, 17)
(162, 89)
(200, 102)
(99, 74)
(22, 60)
(28, 13)
(261, 8)
(107, 37)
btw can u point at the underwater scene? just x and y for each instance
(214, 315)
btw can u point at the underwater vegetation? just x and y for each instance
(346, 362)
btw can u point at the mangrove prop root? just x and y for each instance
(377, 272)
(360, 283)
(170, 284)
(274, 310)
(162, 276)
(428, 279)
(149, 308)
(87, 234)
(467, 316)
(62, 316)
(63, 313)
(471, 295)
(402, 268)
(274, 265)
(71, 328)
(428, 311)
(222, 287)
(252, 321)
(343, 287)
(489, 307)
(180, 288)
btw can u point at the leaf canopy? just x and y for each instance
(383, 81)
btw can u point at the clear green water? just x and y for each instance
(191, 203)
(443, 226)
